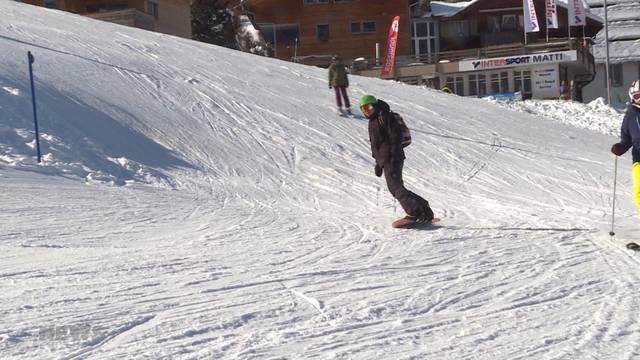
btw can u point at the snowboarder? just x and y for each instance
(630, 137)
(386, 137)
(339, 81)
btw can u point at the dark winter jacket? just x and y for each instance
(338, 74)
(630, 132)
(385, 135)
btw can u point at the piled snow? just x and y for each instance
(596, 115)
(249, 224)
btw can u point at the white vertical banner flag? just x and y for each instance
(530, 17)
(577, 15)
(551, 14)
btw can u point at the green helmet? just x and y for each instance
(367, 99)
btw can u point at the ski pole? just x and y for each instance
(613, 208)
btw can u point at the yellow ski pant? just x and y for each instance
(635, 171)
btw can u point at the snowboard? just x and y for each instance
(347, 114)
(403, 223)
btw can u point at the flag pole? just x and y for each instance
(606, 42)
(547, 28)
(546, 18)
(524, 28)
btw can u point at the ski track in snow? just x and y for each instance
(214, 206)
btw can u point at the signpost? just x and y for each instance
(33, 100)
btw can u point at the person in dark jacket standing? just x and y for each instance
(630, 137)
(385, 135)
(339, 81)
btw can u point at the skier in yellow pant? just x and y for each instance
(630, 137)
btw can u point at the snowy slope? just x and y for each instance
(196, 202)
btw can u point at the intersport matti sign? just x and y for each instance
(518, 60)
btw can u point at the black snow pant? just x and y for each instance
(413, 204)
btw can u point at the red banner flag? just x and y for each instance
(390, 52)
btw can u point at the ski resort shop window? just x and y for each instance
(477, 85)
(456, 84)
(499, 82)
(522, 81)
(322, 32)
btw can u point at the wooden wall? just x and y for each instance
(339, 16)
(82, 6)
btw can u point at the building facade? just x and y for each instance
(311, 31)
(165, 16)
(475, 48)
(624, 51)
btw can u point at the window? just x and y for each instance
(499, 83)
(279, 35)
(615, 74)
(482, 85)
(509, 22)
(493, 23)
(151, 8)
(459, 88)
(453, 29)
(309, 2)
(286, 34)
(365, 26)
(477, 85)
(473, 85)
(495, 84)
(51, 4)
(504, 81)
(450, 84)
(522, 81)
(456, 84)
(322, 32)
(421, 29)
(369, 26)
(424, 40)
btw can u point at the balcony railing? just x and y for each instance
(584, 53)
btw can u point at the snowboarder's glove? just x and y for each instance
(378, 170)
(329, 86)
(618, 149)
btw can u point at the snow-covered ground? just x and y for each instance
(197, 202)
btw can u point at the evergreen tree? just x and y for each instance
(212, 22)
